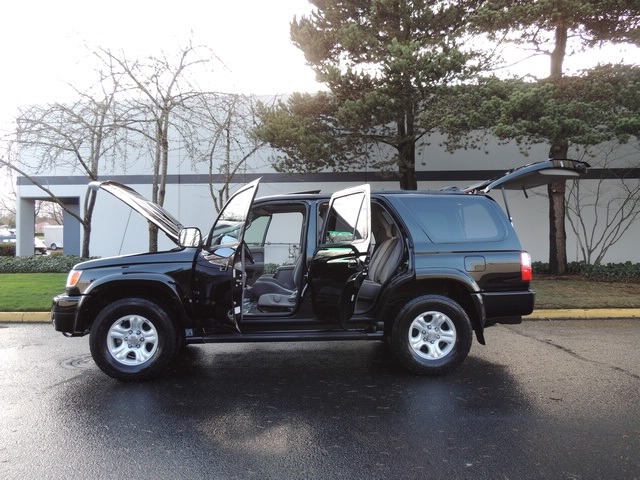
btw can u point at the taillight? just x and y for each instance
(526, 271)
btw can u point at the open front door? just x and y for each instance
(337, 269)
(226, 248)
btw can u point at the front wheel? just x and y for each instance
(431, 335)
(133, 339)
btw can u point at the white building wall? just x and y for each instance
(116, 230)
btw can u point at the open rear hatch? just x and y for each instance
(532, 175)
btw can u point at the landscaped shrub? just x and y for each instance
(39, 264)
(7, 249)
(611, 272)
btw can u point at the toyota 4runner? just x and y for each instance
(423, 270)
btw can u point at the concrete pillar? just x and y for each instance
(25, 226)
(71, 235)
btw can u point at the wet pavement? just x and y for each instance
(545, 399)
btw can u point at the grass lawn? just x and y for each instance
(32, 292)
(29, 292)
(572, 292)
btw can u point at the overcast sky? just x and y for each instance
(42, 42)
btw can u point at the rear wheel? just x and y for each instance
(133, 339)
(431, 335)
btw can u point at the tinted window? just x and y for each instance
(279, 234)
(457, 219)
(347, 221)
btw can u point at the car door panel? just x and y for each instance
(225, 253)
(336, 270)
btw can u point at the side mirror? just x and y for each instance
(190, 237)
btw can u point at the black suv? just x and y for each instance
(422, 270)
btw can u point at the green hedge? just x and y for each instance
(39, 264)
(7, 249)
(610, 272)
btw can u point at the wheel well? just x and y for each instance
(452, 289)
(109, 293)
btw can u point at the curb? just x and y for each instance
(545, 314)
(25, 317)
(583, 313)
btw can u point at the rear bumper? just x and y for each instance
(507, 307)
(64, 311)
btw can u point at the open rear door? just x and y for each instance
(337, 269)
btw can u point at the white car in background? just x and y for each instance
(39, 246)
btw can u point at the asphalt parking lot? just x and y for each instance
(545, 399)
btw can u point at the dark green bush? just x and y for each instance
(7, 249)
(39, 264)
(611, 272)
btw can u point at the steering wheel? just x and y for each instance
(247, 252)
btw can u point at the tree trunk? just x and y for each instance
(557, 207)
(556, 190)
(407, 166)
(86, 224)
(407, 151)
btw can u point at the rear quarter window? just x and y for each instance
(457, 219)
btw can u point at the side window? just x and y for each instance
(322, 215)
(279, 234)
(347, 221)
(283, 242)
(256, 231)
(478, 223)
(457, 219)
(229, 226)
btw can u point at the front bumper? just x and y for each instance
(64, 312)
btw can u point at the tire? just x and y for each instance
(133, 339)
(431, 335)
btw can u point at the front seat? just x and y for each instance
(272, 292)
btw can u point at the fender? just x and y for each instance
(454, 275)
(124, 282)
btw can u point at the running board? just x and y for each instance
(297, 336)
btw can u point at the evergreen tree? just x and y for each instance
(551, 27)
(385, 62)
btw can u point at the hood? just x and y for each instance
(533, 175)
(139, 261)
(152, 212)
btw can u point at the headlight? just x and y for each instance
(73, 278)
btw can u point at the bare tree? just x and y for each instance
(7, 193)
(156, 90)
(74, 137)
(49, 212)
(220, 133)
(601, 214)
